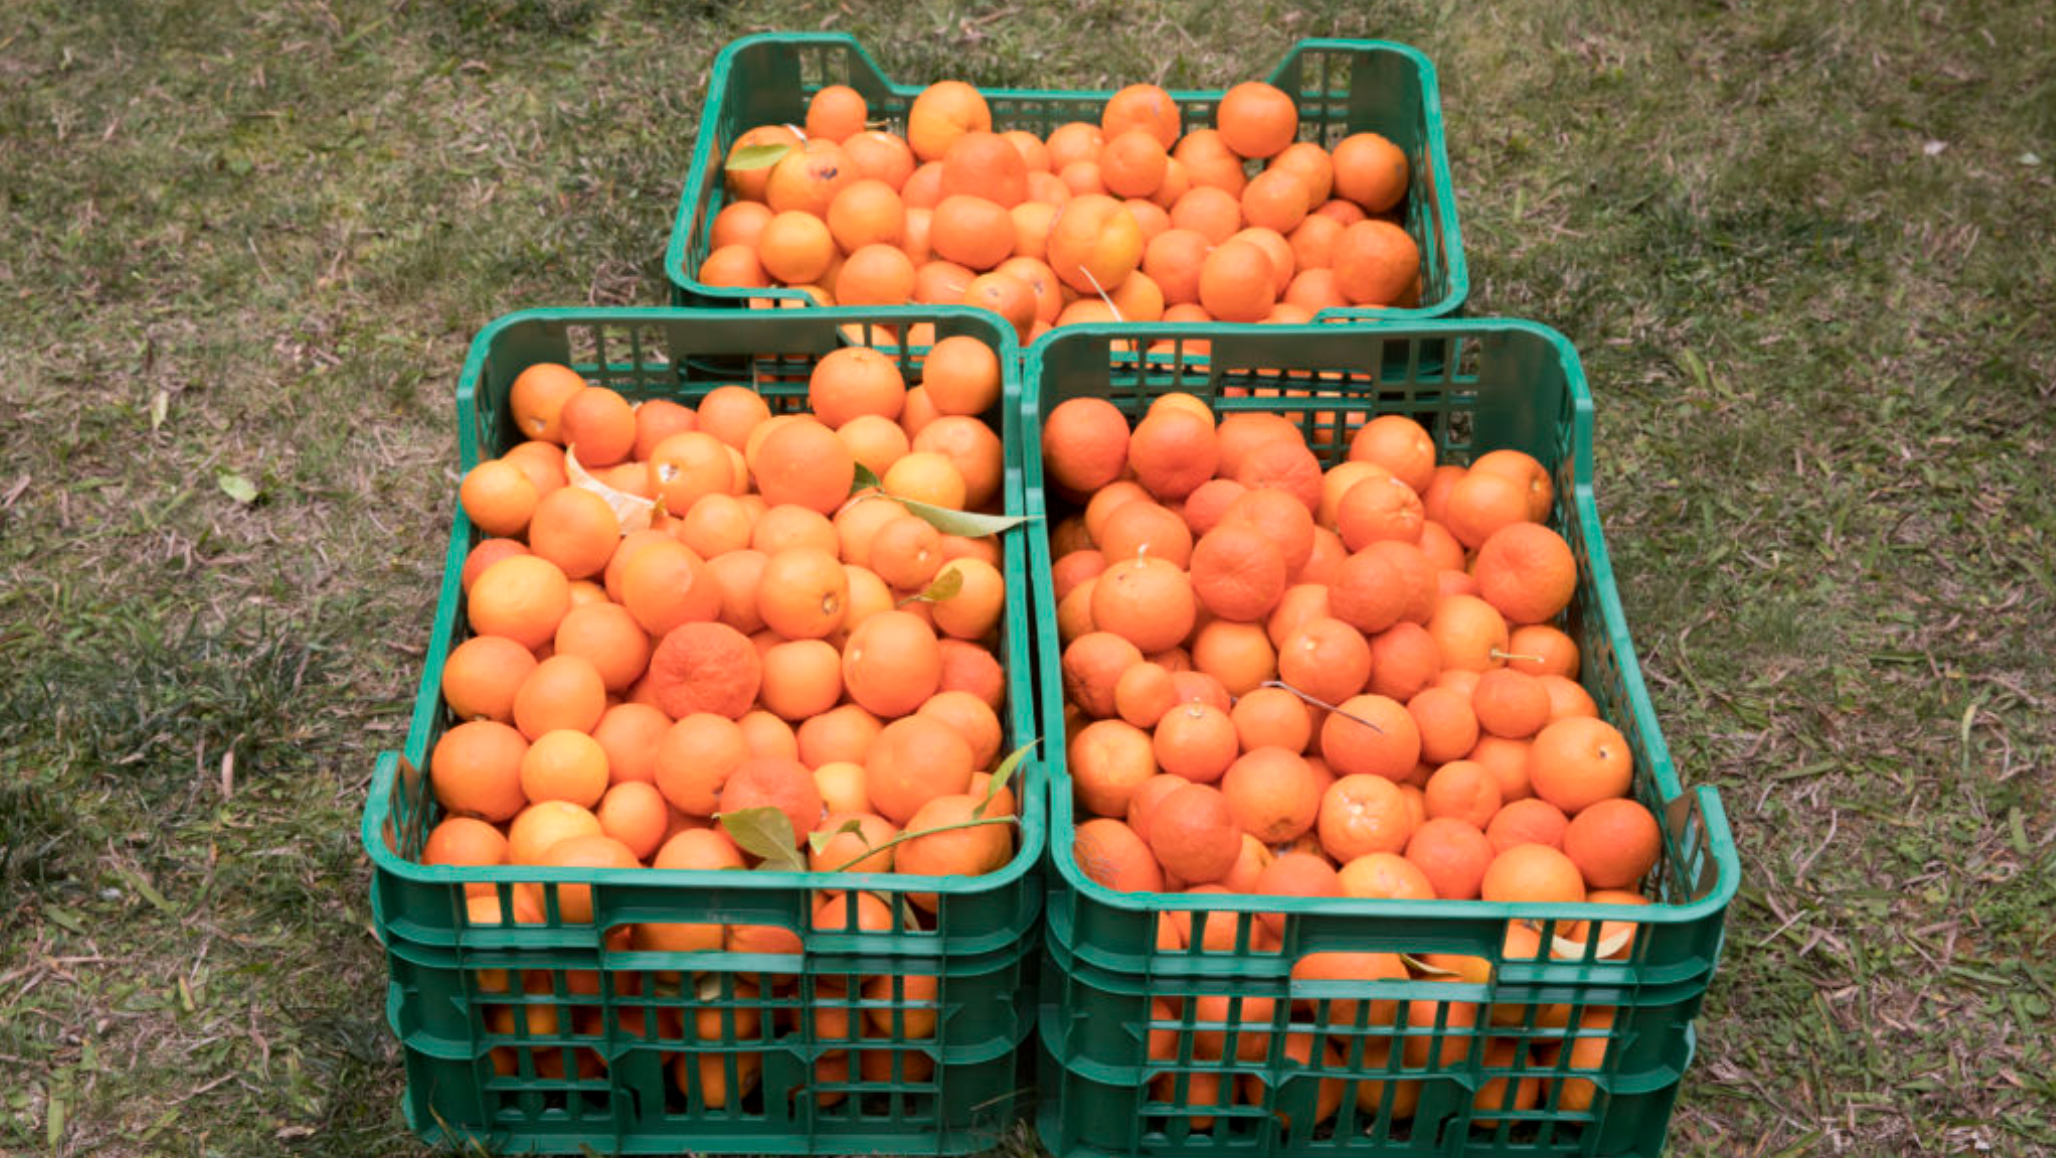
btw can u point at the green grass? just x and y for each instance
(1802, 250)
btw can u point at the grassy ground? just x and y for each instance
(1802, 249)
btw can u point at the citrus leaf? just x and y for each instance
(948, 583)
(755, 157)
(866, 481)
(1420, 966)
(236, 486)
(818, 840)
(964, 523)
(1003, 773)
(632, 511)
(765, 832)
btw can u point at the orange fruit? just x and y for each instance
(853, 381)
(1385, 875)
(1109, 852)
(1094, 243)
(874, 154)
(778, 782)
(1326, 659)
(1464, 790)
(840, 735)
(1578, 761)
(1370, 171)
(971, 851)
(565, 765)
(1084, 444)
(943, 112)
(802, 678)
(564, 691)
(1195, 741)
(1132, 163)
(1371, 734)
(1109, 761)
(1532, 873)
(971, 230)
(1567, 698)
(1256, 119)
(803, 593)
(540, 826)
(835, 112)
(498, 498)
(1273, 718)
(1194, 835)
(1613, 842)
(1510, 703)
(522, 597)
(1452, 854)
(1527, 571)
(1237, 573)
(1172, 451)
(1141, 106)
(464, 840)
(1362, 814)
(481, 675)
(914, 760)
(1469, 632)
(802, 463)
(962, 376)
(1147, 601)
(1296, 874)
(806, 180)
(629, 733)
(705, 667)
(1274, 794)
(1529, 821)
(1540, 650)
(608, 637)
(666, 584)
(695, 757)
(1237, 281)
(1375, 263)
(1092, 665)
(484, 555)
(475, 770)
(1480, 503)
(537, 397)
(892, 663)
(1525, 469)
(1145, 528)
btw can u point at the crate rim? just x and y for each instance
(1459, 278)
(833, 317)
(1719, 837)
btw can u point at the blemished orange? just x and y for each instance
(1110, 853)
(807, 180)
(705, 667)
(779, 782)
(537, 398)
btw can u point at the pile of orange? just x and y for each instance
(1294, 681)
(1124, 220)
(767, 645)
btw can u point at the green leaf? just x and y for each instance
(818, 840)
(944, 519)
(965, 523)
(948, 582)
(765, 832)
(236, 486)
(1004, 773)
(755, 157)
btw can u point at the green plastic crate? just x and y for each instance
(1342, 86)
(1476, 386)
(503, 1069)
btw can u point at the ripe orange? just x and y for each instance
(481, 676)
(1256, 119)
(1147, 601)
(1453, 854)
(522, 597)
(475, 770)
(892, 663)
(1370, 171)
(564, 765)
(1527, 571)
(537, 398)
(1614, 843)
(914, 760)
(564, 691)
(1371, 734)
(1192, 832)
(705, 667)
(1084, 444)
(1579, 761)
(1274, 794)
(695, 757)
(1532, 872)
(1362, 814)
(1529, 821)
(1109, 852)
